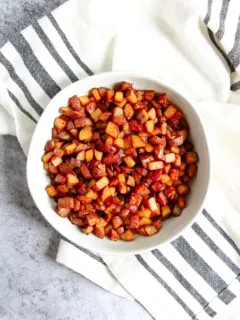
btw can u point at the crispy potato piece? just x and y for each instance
(85, 133)
(112, 129)
(128, 235)
(51, 191)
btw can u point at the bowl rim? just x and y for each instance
(176, 89)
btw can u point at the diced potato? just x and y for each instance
(118, 96)
(191, 157)
(85, 133)
(149, 95)
(164, 128)
(81, 155)
(152, 204)
(149, 147)
(98, 155)
(150, 230)
(149, 125)
(51, 191)
(170, 111)
(137, 142)
(192, 170)
(131, 96)
(117, 112)
(181, 202)
(63, 212)
(90, 107)
(128, 111)
(183, 189)
(176, 211)
(87, 229)
(142, 116)
(96, 94)
(107, 192)
(122, 188)
(128, 235)
(96, 114)
(122, 103)
(152, 114)
(89, 155)
(69, 148)
(60, 123)
(129, 161)
(116, 222)
(145, 213)
(67, 203)
(130, 181)
(165, 212)
(47, 157)
(112, 129)
(155, 165)
(101, 183)
(85, 171)
(110, 95)
(72, 180)
(162, 199)
(84, 100)
(169, 157)
(145, 221)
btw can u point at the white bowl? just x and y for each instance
(38, 179)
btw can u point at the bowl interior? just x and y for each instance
(38, 179)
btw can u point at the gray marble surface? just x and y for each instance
(33, 285)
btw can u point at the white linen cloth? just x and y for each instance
(195, 44)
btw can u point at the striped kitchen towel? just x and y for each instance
(194, 43)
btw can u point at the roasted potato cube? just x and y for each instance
(85, 133)
(118, 96)
(69, 148)
(149, 95)
(152, 204)
(128, 235)
(145, 221)
(122, 188)
(90, 107)
(63, 212)
(98, 155)
(89, 155)
(128, 111)
(145, 213)
(191, 157)
(67, 203)
(152, 114)
(131, 96)
(170, 157)
(107, 192)
(49, 146)
(60, 123)
(112, 129)
(81, 156)
(47, 157)
(155, 165)
(176, 211)
(85, 171)
(170, 111)
(162, 199)
(99, 232)
(165, 212)
(149, 125)
(101, 183)
(183, 189)
(174, 174)
(87, 229)
(150, 230)
(129, 161)
(142, 116)
(96, 94)
(84, 100)
(110, 95)
(192, 170)
(114, 235)
(72, 180)
(137, 142)
(51, 191)
(117, 222)
(130, 181)
(96, 114)
(181, 202)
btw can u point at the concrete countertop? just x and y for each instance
(33, 285)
